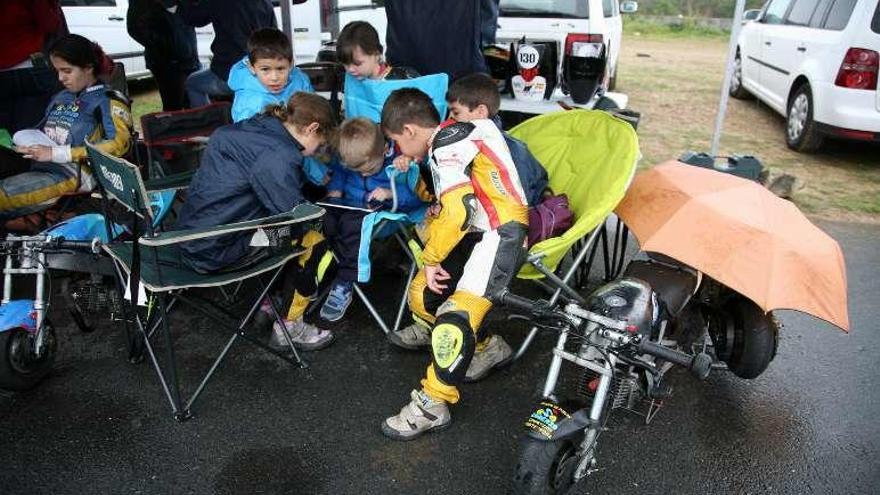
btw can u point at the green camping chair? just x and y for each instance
(591, 157)
(154, 261)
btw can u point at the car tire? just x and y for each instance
(800, 128)
(736, 88)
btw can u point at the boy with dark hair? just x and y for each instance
(470, 98)
(476, 96)
(266, 76)
(475, 246)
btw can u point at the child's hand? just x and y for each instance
(334, 194)
(433, 210)
(380, 194)
(401, 163)
(435, 275)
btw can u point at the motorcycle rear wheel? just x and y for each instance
(546, 467)
(19, 369)
(756, 335)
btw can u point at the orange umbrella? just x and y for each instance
(740, 234)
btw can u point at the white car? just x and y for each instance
(103, 21)
(816, 63)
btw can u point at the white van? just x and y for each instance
(103, 21)
(815, 62)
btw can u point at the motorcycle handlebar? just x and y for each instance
(93, 245)
(698, 365)
(540, 310)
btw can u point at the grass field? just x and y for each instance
(673, 78)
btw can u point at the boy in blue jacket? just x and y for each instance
(266, 76)
(360, 182)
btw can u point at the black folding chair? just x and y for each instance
(327, 77)
(154, 261)
(175, 140)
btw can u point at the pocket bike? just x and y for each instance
(27, 337)
(614, 353)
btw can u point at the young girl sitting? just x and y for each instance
(86, 109)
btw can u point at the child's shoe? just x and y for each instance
(304, 336)
(421, 415)
(337, 301)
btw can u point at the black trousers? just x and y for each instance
(342, 228)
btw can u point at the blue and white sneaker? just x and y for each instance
(337, 301)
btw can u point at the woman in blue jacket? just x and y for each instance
(253, 169)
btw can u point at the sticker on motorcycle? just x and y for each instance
(545, 420)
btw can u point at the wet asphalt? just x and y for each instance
(98, 424)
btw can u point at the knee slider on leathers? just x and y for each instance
(452, 346)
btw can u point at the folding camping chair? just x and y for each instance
(591, 157)
(175, 140)
(327, 77)
(154, 261)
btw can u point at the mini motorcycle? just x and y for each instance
(27, 336)
(614, 353)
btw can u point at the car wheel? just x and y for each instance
(736, 88)
(800, 129)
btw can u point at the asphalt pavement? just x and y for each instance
(98, 424)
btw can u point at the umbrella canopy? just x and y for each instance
(740, 234)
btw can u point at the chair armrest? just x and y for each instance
(170, 182)
(300, 213)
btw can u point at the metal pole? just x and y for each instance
(728, 73)
(285, 21)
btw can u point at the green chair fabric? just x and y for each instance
(591, 157)
(166, 270)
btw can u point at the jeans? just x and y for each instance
(202, 84)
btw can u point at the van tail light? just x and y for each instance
(859, 69)
(575, 43)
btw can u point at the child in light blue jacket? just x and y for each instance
(267, 77)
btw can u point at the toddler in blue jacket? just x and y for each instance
(361, 185)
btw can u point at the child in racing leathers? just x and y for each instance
(475, 246)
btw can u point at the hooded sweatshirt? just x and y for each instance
(251, 97)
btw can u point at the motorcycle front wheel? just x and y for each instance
(20, 368)
(546, 467)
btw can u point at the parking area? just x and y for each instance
(101, 425)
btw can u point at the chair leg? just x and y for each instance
(376, 316)
(403, 300)
(562, 284)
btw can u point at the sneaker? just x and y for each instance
(496, 354)
(337, 301)
(304, 336)
(421, 415)
(414, 337)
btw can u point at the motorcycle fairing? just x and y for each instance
(83, 228)
(18, 314)
(551, 422)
